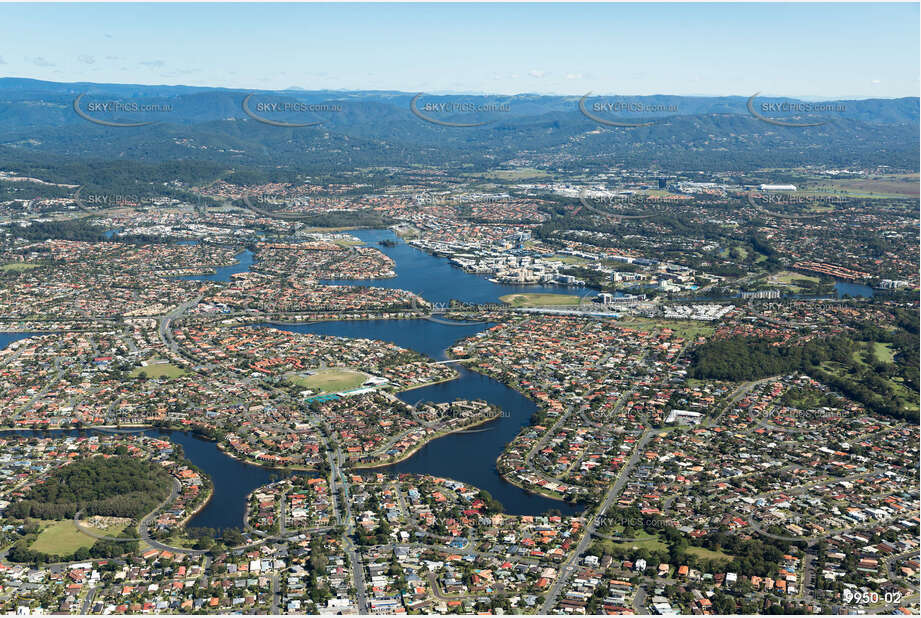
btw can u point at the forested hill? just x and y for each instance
(368, 128)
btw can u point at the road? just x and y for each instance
(567, 568)
(358, 576)
(275, 593)
(145, 524)
(88, 601)
(166, 335)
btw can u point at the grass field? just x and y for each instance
(568, 259)
(348, 243)
(330, 380)
(709, 554)
(904, 394)
(689, 329)
(636, 533)
(159, 370)
(18, 266)
(905, 185)
(883, 352)
(787, 277)
(61, 538)
(651, 544)
(539, 300)
(519, 173)
(178, 540)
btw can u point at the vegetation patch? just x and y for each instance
(117, 486)
(539, 300)
(18, 266)
(689, 329)
(519, 173)
(709, 554)
(850, 365)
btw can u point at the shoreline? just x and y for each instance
(409, 453)
(456, 376)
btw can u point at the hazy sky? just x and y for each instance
(811, 50)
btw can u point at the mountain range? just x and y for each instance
(379, 128)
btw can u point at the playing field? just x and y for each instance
(330, 380)
(159, 370)
(539, 300)
(61, 538)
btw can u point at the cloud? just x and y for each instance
(573, 76)
(537, 74)
(86, 59)
(39, 61)
(876, 81)
(153, 64)
(2, 61)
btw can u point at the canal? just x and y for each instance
(233, 480)
(471, 456)
(242, 265)
(466, 456)
(435, 279)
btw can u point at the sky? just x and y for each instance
(801, 50)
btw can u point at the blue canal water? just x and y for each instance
(843, 288)
(435, 279)
(244, 261)
(8, 338)
(467, 456)
(471, 456)
(232, 479)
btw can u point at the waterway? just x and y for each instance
(244, 261)
(8, 338)
(233, 480)
(466, 456)
(436, 280)
(471, 456)
(843, 288)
